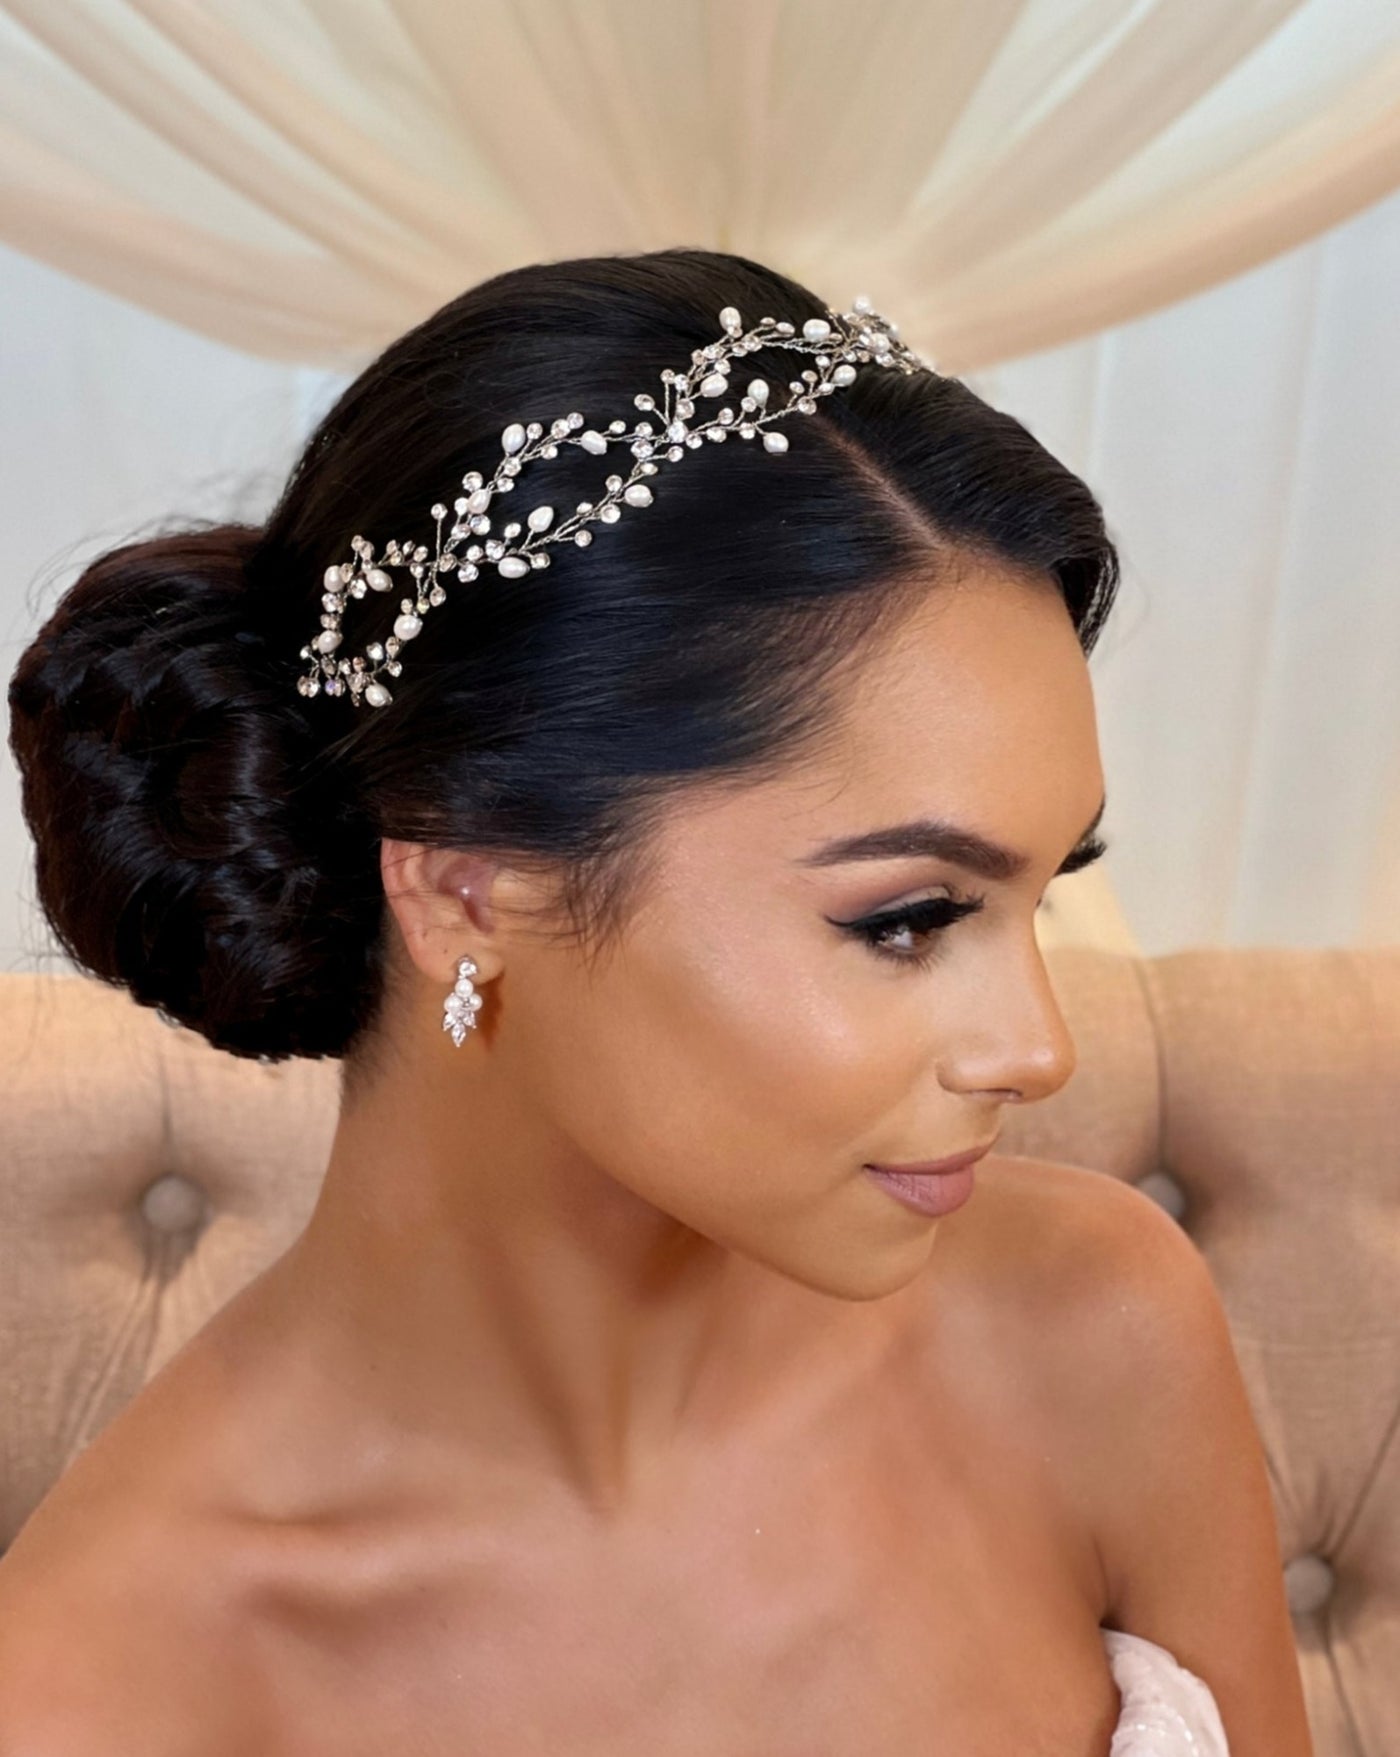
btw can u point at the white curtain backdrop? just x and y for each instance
(306, 178)
(1246, 447)
(214, 216)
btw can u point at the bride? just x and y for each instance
(636, 1386)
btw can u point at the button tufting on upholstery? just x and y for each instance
(1308, 1581)
(173, 1204)
(1165, 1191)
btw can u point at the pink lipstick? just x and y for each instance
(935, 1186)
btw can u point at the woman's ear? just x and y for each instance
(447, 902)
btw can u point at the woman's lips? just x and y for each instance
(936, 1167)
(937, 1186)
(928, 1193)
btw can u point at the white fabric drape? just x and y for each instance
(304, 179)
(1246, 447)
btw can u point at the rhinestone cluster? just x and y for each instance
(463, 1004)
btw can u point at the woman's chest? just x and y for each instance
(863, 1601)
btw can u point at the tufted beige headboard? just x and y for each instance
(145, 1177)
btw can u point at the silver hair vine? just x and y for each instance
(841, 341)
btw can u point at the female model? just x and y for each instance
(661, 900)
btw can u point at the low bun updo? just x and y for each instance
(208, 838)
(186, 846)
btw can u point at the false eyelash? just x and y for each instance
(933, 916)
(1085, 855)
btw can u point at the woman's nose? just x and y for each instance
(1020, 1050)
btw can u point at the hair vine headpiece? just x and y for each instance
(841, 341)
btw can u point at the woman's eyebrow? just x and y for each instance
(936, 838)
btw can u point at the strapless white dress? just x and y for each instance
(1167, 1711)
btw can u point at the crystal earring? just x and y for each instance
(463, 1004)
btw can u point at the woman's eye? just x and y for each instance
(925, 920)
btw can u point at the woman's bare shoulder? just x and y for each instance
(1055, 1284)
(118, 1650)
(118, 1610)
(1145, 1398)
(1080, 1270)
(1046, 1239)
(1050, 1234)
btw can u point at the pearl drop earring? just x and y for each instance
(463, 1004)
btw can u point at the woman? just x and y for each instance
(660, 906)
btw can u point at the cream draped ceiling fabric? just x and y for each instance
(305, 179)
(1020, 185)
